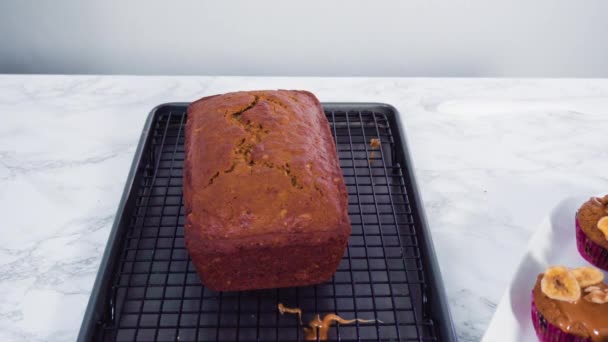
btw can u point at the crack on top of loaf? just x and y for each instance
(286, 170)
(215, 175)
(231, 168)
(255, 132)
(294, 179)
(294, 98)
(238, 114)
(277, 102)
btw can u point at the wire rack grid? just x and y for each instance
(157, 295)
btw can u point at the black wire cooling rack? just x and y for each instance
(148, 290)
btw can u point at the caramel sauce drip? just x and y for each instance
(283, 309)
(375, 144)
(319, 328)
(322, 326)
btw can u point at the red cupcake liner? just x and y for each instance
(547, 332)
(591, 251)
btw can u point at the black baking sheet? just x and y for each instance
(147, 288)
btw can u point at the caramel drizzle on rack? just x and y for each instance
(375, 144)
(319, 328)
(283, 309)
(322, 326)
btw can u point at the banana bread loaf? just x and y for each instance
(265, 199)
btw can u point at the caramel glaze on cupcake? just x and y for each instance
(588, 217)
(570, 305)
(581, 318)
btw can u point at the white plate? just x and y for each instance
(553, 243)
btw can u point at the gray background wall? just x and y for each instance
(552, 38)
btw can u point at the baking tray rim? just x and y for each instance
(87, 327)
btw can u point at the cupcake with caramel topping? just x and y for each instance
(570, 305)
(592, 231)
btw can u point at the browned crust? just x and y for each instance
(261, 176)
(230, 266)
(588, 216)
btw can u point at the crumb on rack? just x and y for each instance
(375, 144)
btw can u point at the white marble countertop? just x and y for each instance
(492, 156)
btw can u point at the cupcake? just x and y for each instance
(570, 305)
(592, 231)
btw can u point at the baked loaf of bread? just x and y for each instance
(265, 199)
